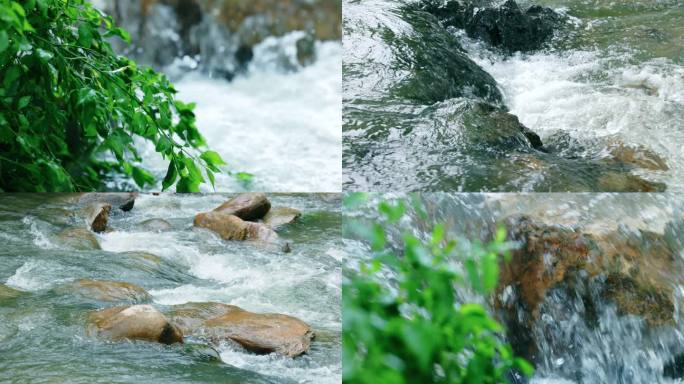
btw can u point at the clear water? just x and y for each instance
(42, 335)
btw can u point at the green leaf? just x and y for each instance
(4, 41)
(244, 177)
(85, 35)
(171, 176)
(212, 158)
(23, 102)
(142, 177)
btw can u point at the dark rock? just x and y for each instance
(155, 225)
(306, 50)
(122, 200)
(97, 215)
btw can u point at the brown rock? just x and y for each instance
(191, 316)
(121, 200)
(638, 156)
(261, 333)
(280, 216)
(626, 182)
(78, 238)
(137, 322)
(96, 215)
(106, 290)
(231, 227)
(247, 206)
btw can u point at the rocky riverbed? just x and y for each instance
(115, 287)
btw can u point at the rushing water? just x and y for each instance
(613, 73)
(42, 334)
(280, 126)
(575, 343)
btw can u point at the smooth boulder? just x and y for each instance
(231, 227)
(247, 206)
(106, 290)
(280, 216)
(136, 322)
(256, 332)
(96, 215)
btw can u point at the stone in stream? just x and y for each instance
(280, 216)
(634, 270)
(155, 225)
(106, 290)
(77, 238)
(627, 182)
(250, 206)
(8, 293)
(256, 332)
(637, 156)
(231, 227)
(136, 322)
(96, 215)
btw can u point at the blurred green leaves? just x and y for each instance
(414, 327)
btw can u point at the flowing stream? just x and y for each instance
(581, 333)
(612, 73)
(42, 330)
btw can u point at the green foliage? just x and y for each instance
(67, 100)
(416, 329)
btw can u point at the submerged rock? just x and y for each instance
(8, 293)
(231, 227)
(260, 333)
(97, 215)
(637, 156)
(106, 290)
(250, 206)
(155, 225)
(280, 216)
(137, 322)
(78, 238)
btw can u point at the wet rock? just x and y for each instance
(250, 206)
(637, 156)
(280, 216)
(155, 225)
(106, 290)
(121, 200)
(512, 29)
(504, 129)
(634, 270)
(137, 322)
(191, 316)
(97, 215)
(8, 293)
(78, 238)
(260, 333)
(627, 182)
(231, 227)
(507, 26)
(152, 258)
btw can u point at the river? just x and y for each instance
(613, 72)
(42, 331)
